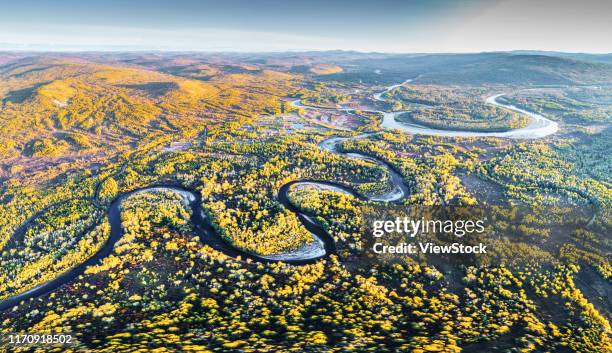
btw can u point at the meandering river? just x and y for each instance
(322, 244)
(203, 228)
(538, 127)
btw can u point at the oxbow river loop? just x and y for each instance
(322, 245)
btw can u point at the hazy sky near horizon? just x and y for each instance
(278, 25)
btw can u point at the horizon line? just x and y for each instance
(296, 51)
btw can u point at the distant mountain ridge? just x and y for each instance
(601, 58)
(483, 68)
(515, 68)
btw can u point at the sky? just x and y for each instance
(395, 26)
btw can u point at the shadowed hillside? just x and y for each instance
(487, 68)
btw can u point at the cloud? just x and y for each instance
(97, 37)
